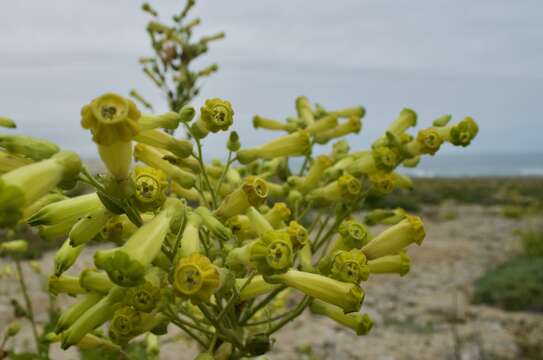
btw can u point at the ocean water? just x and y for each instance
(476, 165)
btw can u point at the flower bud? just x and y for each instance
(190, 241)
(295, 144)
(153, 158)
(258, 221)
(256, 287)
(21, 187)
(253, 192)
(391, 264)
(126, 265)
(187, 113)
(233, 143)
(160, 139)
(347, 296)
(30, 147)
(65, 257)
(315, 174)
(361, 324)
(395, 238)
(195, 277)
(322, 125)
(442, 121)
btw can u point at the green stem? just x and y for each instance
(294, 314)
(261, 304)
(221, 179)
(28, 304)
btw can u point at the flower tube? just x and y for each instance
(278, 215)
(30, 147)
(258, 221)
(260, 122)
(70, 210)
(358, 111)
(21, 187)
(169, 120)
(396, 238)
(127, 264)
(64, 285)
(305, 113)
(95, 281)
(190, 241)
(95, 316)
(298, 234)
(70, 315)
(428, 141)
(406, 120)
(10, 162)
(346, 188)
(314, 175)
(65, 257)
(296, 144)
(347, 296)
(361, 324)
(390, 264)
(253, 192)
(41, 203)
(89, 226)
(153, 158)
(213, 224)
(352, 126)
(160, 139)
(322, 125)
(113, 122)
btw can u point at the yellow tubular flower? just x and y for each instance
(298, 235)
(258, 221)
(305, 113)
(346, 189)
(66, 210)
(188, 194)
(145, 297)
(272, 253)
(23, 186)
(386, 158)
(190, 241)
(69, 316)
(95, 316)
(10, 162)
(153, 158)
(462, 133)
(357, 111)
(241, 227)
(127, 264)
(213, 224)
(113, 122)
(390, 264)
(396, 238)
(349, 266)
(347, 296)
(258, 286)
(215, 115)
(126, 324)
(363, 165)
(89, 226)
(64, 285)
(95, 281)
(196, 277)
(29, 147)
(253, 192)
(276, 190)
(151, 186)
(118, 228)
(361, 324)
(278, 215)
(336, 170)
(295, 144)
(322, 125)
(260, 122)
(314, 176)
(352, 126)
(158, 138)
(169, 120)
(65, 257)
(52, 232)
(406, 120)
(41, 203)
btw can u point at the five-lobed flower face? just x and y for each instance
(195, 277)
(217, 115)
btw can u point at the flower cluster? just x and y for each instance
(216, 249)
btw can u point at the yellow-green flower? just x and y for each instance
(233, 144)
(360, 323)
(65, 257)
(64, 285)
(215, 115)
(151, 186)
(181, 148)
(395, 238)
(278, 215)
(314, 175)
(95, 281)
(346, 188)
(89, 226)
(296, 144)
(464, 132)
(70, 315)
(253, 192)
(10, 161)
(391, 264)
(386, 158)
(353, 125)
(349, 266)
(322, 125)
(303, 107)
(30, 147)
(213, 224)
(256, 287)
(71, 210)
(272, 253)
(258, 221)
(299, 235)
(169, 120)
(196, 277)
(260, 122)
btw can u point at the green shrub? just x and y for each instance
(516, 285)
(532, 243)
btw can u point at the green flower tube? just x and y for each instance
(113, 122)
(253, 192)
(41, 203)
(305, 113)
(276, 190)
(442, 120)
(95, 281)
(278, 215)
(95, 316)
(213, 224)
(169, 120)
(190, 241)
(346, 189)
(272, 252)
(70, 315)
(52, 232)
(258, 221)
(30, 147)
(306, 258)
(353, 125)
(322, 125)
(66, 210)
(13, 247)
(337, 169)
(158, 138)
(260, 122)
(314, 175)
(296, 144)
(127, 264)
(21, 187)
(412, 162)
(93, 342)
(360, 323)
(153, 158)
(65, 257)
(386, 158)
(347, 296)
(395, 238)
(64, 284)
(258, 286)
(89, 226)
(384, 216)
(406, 120)
(390, 264)
(10, 162)
(358, 111)
(196, 277)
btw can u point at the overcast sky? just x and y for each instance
(481, 58)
